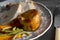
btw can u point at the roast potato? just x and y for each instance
(30, 20)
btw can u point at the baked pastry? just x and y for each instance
(30, 20)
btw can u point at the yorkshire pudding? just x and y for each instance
(30, 20)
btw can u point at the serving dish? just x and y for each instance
(46, 21)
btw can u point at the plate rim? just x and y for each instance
(50, 22)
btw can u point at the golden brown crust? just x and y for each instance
(30, 20)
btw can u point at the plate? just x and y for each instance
(46, 22)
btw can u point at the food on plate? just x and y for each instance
(11, 33)
(24, 22)
(30, 20)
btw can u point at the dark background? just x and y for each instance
(54, 6)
